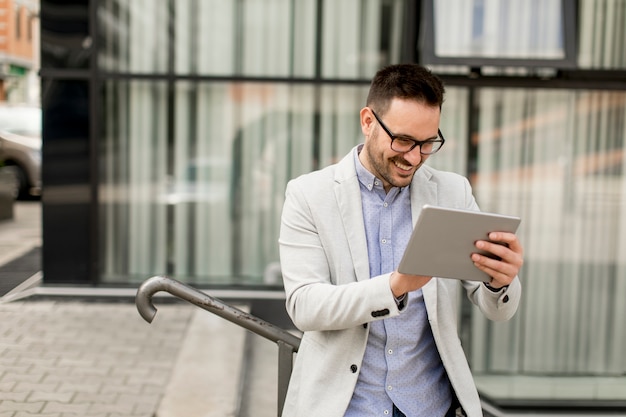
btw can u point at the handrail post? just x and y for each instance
(285, 365)
(288, 343)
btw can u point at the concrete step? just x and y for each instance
(224, 370)
(260, 378)
(206, 379)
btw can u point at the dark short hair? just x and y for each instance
(405, 81)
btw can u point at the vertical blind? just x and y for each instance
(531, 29)
(499, 29)
(556, 159)
(194, 171)
(602, 30)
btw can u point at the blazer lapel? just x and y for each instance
(348, 195)
(423, 191)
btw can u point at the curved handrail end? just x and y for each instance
(143, 299)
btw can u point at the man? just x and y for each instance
(377, 342)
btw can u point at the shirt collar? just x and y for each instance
(366, 178)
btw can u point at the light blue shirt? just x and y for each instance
(401, 365)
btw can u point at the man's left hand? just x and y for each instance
(509, 253)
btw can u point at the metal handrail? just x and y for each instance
(288, 343)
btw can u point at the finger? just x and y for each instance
(498, 278)
(495, 268)
(505, 253)
(509, 238)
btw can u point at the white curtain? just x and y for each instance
(499, 28)
(352, 33)
(194, 171)
(555, 158)
(454, 126)
(601, 34)
(134, 161)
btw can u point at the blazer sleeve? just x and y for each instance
(496, 306)
(322, 290)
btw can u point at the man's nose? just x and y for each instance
(414, 157)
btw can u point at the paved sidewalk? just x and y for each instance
(80, 357)
(73, 358)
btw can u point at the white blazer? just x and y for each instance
(331, 297)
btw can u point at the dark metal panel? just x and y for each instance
(67, 150)
(66, 194)
(65, 37)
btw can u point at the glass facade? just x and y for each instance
(555, 158)
(171, 128)
(193, 187)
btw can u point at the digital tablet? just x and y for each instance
(443, 240)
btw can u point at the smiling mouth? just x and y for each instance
(402, 166)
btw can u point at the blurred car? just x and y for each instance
(20, 149)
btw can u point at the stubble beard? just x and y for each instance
(383, 167)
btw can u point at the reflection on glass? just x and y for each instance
(454, 122)
(555, 158)
(499, 29)
(65, 34)
(204, 204)
(601, 39)
(281, 38)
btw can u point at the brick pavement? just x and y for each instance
(72, 358)
(62, 358)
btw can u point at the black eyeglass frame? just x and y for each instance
(416, 143)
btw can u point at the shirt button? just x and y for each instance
(385, 204)
(389, 387)
(384, 241)
(386, 412)
(390, 351)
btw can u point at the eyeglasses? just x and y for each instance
(404, 144)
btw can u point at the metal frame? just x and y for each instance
(288, 343)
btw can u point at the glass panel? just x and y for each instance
(195, 190)
(134, 35)
(250, 38)
(133, 180)
(454, 127)
(499, 29)
(199, 184)
(276, 38)
(209, 37)
(602, 29)
(340, 128)
(555, 158)
(360, 37)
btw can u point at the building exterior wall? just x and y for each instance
(18, 48)
(172, 127)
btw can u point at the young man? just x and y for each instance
(377, 342)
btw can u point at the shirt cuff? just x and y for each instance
(401, 301)
(493, 289)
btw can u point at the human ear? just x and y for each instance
(367, 120)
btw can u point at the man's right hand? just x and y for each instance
(402, 283)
